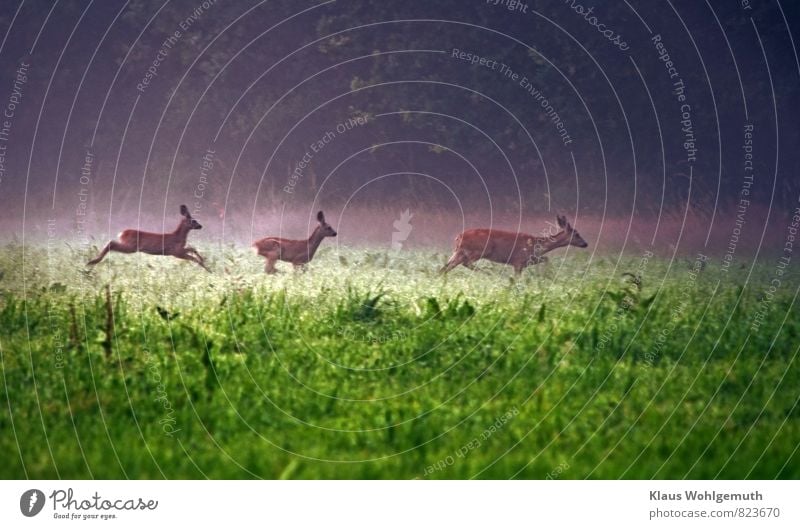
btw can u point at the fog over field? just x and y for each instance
(463, 113)
(408, 227)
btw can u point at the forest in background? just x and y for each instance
(241, 92)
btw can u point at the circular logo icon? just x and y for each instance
(31, 502)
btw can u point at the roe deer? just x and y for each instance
(174, 243)
(517, 249)
(297, 252)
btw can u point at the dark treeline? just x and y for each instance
(529, 106)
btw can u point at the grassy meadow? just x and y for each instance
(370, 365)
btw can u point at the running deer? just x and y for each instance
(297, 252)
(517, 249)
(174, 243)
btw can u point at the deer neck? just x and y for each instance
(557, 241)
(314, 242)
(181, 233)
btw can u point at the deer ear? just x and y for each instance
(562, 222)
(320, 217)
(185, 211)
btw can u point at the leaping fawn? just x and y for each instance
(174, 243)
(516, 249)
(297, 252)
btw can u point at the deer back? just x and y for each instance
(498, 245)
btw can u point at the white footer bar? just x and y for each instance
(400, 504)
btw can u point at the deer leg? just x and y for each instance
(456, 259)
(112, 246)
(193, 250)
(200, 259)
(189, 257)
(469, 260)
(202, 262)
(100, 256)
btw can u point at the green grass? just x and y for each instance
(370, 365)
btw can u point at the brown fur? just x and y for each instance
(173, 243)
(297, 252)
(516, 249)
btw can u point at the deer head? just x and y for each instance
(188, 223)
(324, 229)
(571, 234)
